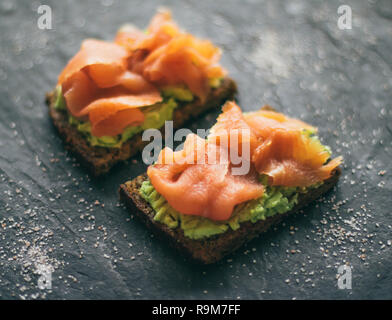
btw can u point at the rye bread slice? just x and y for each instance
(99, 160)
(212, 249)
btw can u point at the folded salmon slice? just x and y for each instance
(110, 116)
(159, 32)
(263, 122)
(105, 62)
(79, 91)
(287, 155)
(109, 110)
(97, 85)
(136, 64)
(136, 84)
(168, 56)
(231, 128)
(279, 148)
(292, 159)
(184, 59)
(205, 189)
(128, 35)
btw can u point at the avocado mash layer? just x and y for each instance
(155, 115)
(275, 200)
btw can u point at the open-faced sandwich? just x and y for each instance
(110, 92)
(208, 208)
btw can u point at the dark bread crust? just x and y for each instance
(212, 249)
(100, 160)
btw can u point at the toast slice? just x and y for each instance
(99, 160)
(212, 249)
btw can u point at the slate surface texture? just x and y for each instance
(289, 54)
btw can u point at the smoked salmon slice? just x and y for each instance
(109, 110)
(128, 35)
(184, 59)
(160, 31)
(78, 92)
(286, 154)
(263, 122)
(168, 56)
(231, 128)
(104, 61)
(199, 180)
(110, 116)
(205, 189)
(293, 159)
(135, 83)
(130, 71)
(97, 85)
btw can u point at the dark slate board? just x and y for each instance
(289, 54)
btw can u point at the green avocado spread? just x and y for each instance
(275, 200)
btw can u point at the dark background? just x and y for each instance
(289, 54)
